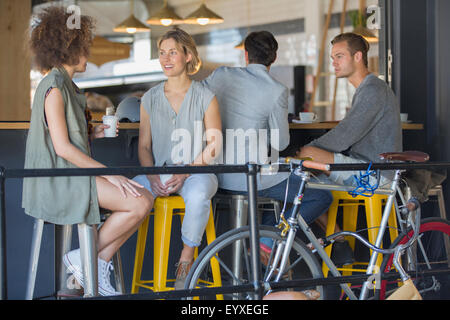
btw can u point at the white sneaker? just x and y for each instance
(104, 279)
(72, 260)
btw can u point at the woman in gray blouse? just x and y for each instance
(180, 124)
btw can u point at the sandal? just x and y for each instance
(183, 268)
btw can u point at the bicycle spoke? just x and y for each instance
(228, 270)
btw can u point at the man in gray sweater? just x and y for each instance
(372, 126)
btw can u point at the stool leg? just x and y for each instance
(163, 226)
(350, 220)
(63, 244)
(276, 209)
(118, 272)
(373, 218)
(210, 237)
(88, 252)
(239, 215)
(34, 257)
(331, 225)
(139, 256)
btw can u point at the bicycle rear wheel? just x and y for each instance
(429, 254)
(302, 263)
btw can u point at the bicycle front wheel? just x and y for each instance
(430, 253)
(232, 252)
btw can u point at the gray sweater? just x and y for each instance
(372, 125)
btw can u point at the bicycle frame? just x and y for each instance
(291, 226)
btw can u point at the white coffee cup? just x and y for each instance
(404, 117)
(111, 121)
(308, 116)
(164, 178)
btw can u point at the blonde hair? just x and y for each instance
(187, 44)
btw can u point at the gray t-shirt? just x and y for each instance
(372, 126)
(177, 138)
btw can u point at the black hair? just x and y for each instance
(261, 47)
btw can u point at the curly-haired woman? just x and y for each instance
(58, 138)
(170, 111)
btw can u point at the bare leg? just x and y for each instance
(127, 215)
(187, 254)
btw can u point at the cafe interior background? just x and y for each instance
(410, 50)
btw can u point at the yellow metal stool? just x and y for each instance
(163, 211)
(373, 207)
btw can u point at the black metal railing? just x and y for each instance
(251, 170)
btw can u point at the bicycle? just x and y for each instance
(291, 258)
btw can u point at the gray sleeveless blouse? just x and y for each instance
(59, 200)
(177, 138)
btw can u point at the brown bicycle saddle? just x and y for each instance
(411, 156)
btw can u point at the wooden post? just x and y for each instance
(322, 52)
(333, 104)
(15, 62)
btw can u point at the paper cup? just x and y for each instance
(111, 121)
(164, 178)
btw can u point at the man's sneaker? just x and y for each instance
(342, 253)
(72, 261)
(104, 279)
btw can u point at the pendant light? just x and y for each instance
(131, 24)
(203, 16)
(165, 16)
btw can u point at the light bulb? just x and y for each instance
(166, 22)
(131, 30)
(203, 21)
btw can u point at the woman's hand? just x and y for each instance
(124, 184)
(176, 182)
(99, 131)
(158, 188)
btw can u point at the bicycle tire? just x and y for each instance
(430, 230)
(220, 246)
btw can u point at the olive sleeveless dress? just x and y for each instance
(59, 200)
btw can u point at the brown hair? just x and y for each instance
(355, 43)
(53, 43)
(187, 44)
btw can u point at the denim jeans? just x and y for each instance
(197, 191)
(315, 202)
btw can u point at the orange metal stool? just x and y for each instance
(164, 209)
(373, 207)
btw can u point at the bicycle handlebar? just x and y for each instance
(309, 163)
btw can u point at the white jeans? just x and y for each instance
(197, 191)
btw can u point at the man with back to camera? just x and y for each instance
(372, 126)
(254, 105)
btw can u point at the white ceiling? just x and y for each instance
(109, 13)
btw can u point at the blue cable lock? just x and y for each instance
(363, 186)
